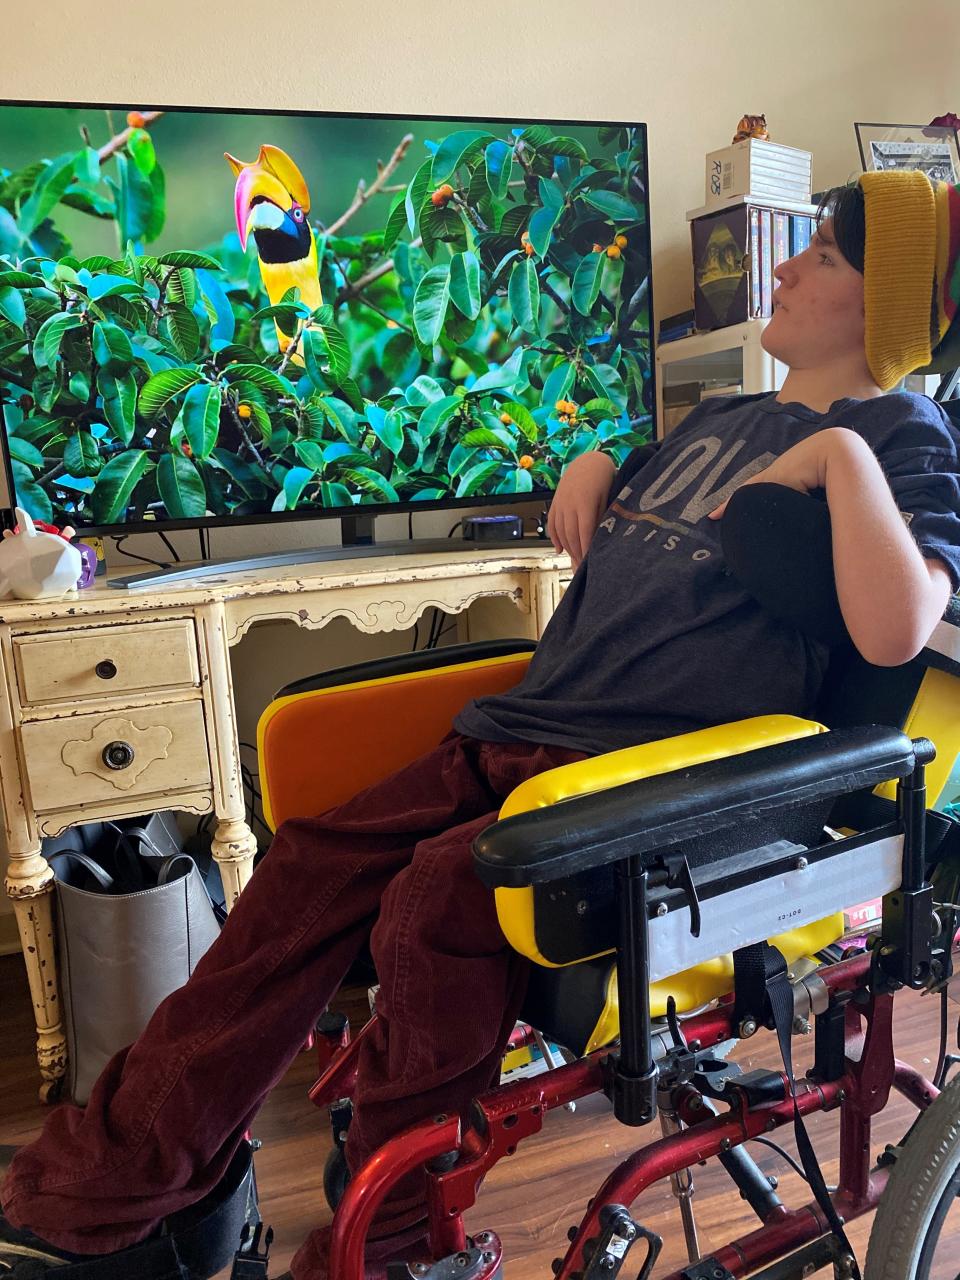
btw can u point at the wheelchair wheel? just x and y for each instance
(336, 1175)
(916, 1232)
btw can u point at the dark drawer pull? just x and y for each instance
(106, 670)
(117, 755)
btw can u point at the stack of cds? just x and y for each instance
(757, 168)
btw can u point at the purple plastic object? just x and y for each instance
(89, 557)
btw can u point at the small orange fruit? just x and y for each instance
(135, 119)
(505, 417)
(186, 450)
(597, 248)
(613, 251)
(244, 411)
(526, 461)
(441, 195)
(620, 241)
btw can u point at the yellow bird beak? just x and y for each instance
(274, 178)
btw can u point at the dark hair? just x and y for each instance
(845, 206)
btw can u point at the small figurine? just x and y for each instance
(88, 555)
(752, 127)
(35, 564)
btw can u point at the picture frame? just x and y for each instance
(933, 149)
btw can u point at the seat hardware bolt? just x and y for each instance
(801, 864)
(662, 908)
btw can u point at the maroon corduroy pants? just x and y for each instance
(167, 1114)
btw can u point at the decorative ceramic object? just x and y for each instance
(35, 565)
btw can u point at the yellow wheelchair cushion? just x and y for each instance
(704, 982)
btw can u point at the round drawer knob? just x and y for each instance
(106, 670)
(117, 755)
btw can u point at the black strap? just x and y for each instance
(100, 874)
(761, 984)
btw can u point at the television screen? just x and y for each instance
(212, 316)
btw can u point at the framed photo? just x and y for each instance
(933, 149)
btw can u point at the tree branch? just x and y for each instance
(245, 434)
(364, 193)
(354, 287)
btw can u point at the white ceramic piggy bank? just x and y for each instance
(36, 565)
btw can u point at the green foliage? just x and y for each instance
(445, 359)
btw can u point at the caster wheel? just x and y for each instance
(336, 1175)
(50, 1092)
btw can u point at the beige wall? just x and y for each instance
(689, 68)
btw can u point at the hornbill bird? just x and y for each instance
(271, 202)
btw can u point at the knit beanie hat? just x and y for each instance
(911, 271)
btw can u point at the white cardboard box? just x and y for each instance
(731, 170)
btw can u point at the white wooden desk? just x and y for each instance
(116, 703)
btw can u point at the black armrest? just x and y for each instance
(650, 814)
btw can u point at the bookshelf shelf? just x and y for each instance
(731, 356)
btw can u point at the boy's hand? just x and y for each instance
(804, 466)
(579, 502)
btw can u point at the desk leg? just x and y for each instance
(234, 845)
(29, 885)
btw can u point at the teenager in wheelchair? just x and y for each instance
(737, 723)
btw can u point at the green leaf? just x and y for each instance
(436, 415)
(465, 284)
(525, 421)
(430, 304)
(249, 478)
(416, 193)
(567, 147)
(46, 345)
(12, 305)
(586, 282)
(335, 495)
(263, 378)
(294, 483)
(602, 406)
(263, 420)
(81, 457)
(424, 390)
(395, 223)
(21, 280)
(523, 293)
(551, 196)
(343, 418)
(86, 165)
(309, 453)
(140, 146)
(181, 487)
(521, 481)
(538, 135)
(201, 418)
(498, 159)
(606, 382)
(23, 451)
(454, 149)
(559, 384)
(80, 385)
(111, 347)
(111, 286)
(51, 185)
(369, 481)
(485, 438)
(386, 426)
(183, 331)
(314, 352)
(134, 198)
(503, 378)
(472, 480)
(182, 286)
(115, 485)
(119, 394)
(29, 495)
(189, 259)
(541, 228)
(163, 386)
(338, 351)
(614, 206)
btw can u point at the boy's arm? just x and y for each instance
(891, 596)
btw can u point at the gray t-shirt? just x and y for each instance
(653, 636)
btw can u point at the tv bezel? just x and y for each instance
(365, 509)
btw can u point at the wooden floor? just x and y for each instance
(530, 1199)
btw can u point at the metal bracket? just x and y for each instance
(707, 1269)
(480, 1260)
(619, 1233)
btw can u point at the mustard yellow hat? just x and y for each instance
(911, 270)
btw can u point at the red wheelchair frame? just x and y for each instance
(854, 1071)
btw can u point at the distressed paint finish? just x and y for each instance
(374, 595)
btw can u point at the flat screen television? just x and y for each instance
(219, 316)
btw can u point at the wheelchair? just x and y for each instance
(673, 898)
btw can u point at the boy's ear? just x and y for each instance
(778, 545)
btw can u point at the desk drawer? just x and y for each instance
(106, 661)
(152, 751)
